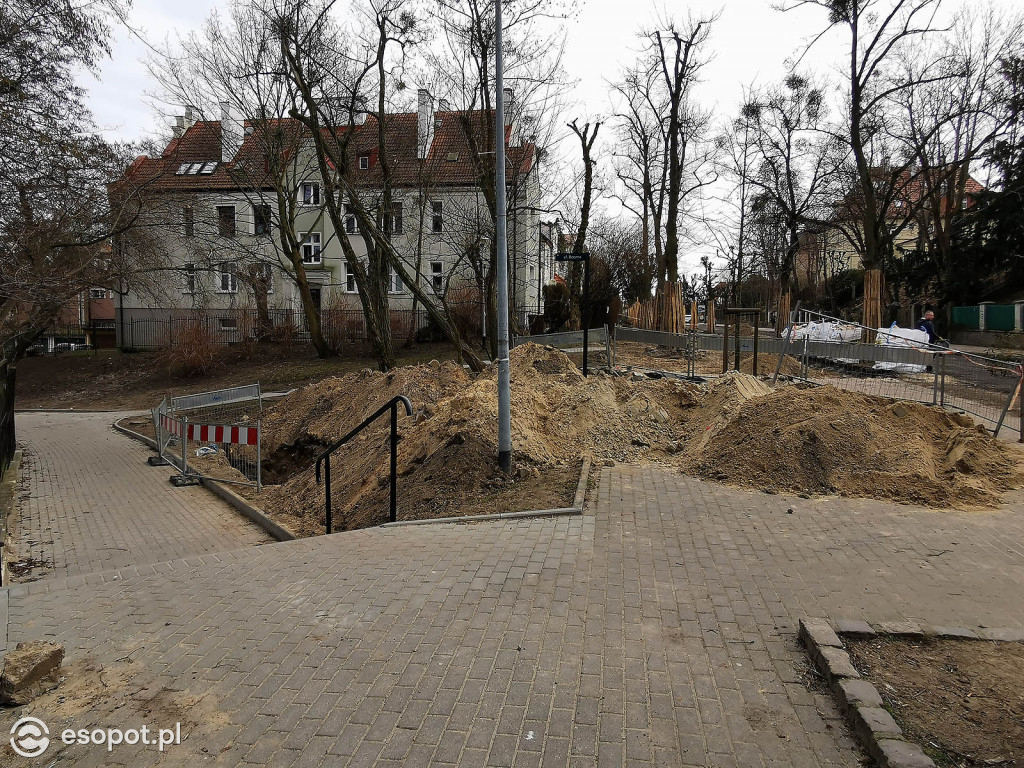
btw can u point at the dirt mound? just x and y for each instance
(734, 428)
(825, 440)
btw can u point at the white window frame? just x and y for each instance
(227, 269)
(270, 219)
(395, 280)
(190, 276)
(396, 207)
(310, 197)
(101, 291)
(234, 218)
(311, 240)
(364, 162)
(437, 217)
(350, 280)
(351, 225)
(437, 278)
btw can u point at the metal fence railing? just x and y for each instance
(213, 435)
(598, 341)
(902, 365)
(897, 366)
(230, 327)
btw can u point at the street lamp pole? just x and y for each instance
(504, 395)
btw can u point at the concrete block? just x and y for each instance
(853, 693)
(818, 632)
(855, 628)
(900, 628)
(836, 663)
(895, 753)
(873, 723)
(30, 670)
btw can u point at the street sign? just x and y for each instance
(572, 256)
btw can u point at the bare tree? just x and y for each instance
(797, 165)
(878, 33)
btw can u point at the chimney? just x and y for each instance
(424, 123)
(230, 133)
(444, 106)
(179, 127)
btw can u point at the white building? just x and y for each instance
(215, 218)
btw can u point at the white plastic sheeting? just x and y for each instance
(895, 336)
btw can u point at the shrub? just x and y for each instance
(191, 350)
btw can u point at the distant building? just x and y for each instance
(219, 216)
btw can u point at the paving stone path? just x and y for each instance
(656, 629)
(94, 503)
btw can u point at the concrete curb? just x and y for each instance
(255, 514)
(575, 509)
(8, 513)
(859, 700)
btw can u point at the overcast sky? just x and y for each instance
(750, 42)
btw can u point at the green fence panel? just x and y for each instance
(967, 317)
(999, 317)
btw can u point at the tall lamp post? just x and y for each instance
(504, 396)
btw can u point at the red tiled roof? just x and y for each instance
(449, 162)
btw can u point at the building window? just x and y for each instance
(436, 277)
(226, 220)
(262, 219)
(364, 162)
(189, 220)
(228, 323)
(262, 276)
(311, 248)
(351, 227)
(394, 282)
(391, 223)
(310, 193)
(437, 219)
(97, 293)
(189, 285)
(228, 273)
(350, 279)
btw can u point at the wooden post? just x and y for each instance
(872, 303)
(710, 317)
(782, 319)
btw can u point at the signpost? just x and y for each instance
(585, 309)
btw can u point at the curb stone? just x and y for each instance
(859, 700)
(281, 533)
(242, 506)
(575, 509)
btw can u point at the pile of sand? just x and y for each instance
(825, 440)
(735, 429)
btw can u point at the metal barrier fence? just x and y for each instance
(899, 367)
(599, 340)
(230, 327)
(214, 435)
(895, 367)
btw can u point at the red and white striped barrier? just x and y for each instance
(209, 433)
(212, 433)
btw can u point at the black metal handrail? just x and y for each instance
(325, 455)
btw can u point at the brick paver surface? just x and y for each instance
(94, 504)
(656, 629)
